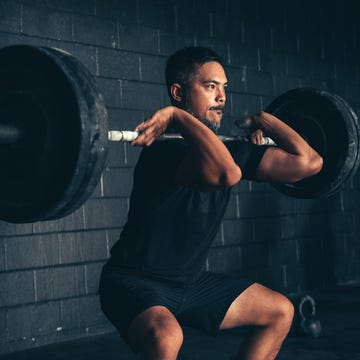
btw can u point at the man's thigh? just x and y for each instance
(206, 302)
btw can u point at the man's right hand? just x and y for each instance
(154, 126)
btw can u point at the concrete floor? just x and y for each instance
(338, 309)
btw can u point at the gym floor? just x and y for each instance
(338, 310)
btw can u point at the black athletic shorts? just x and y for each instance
(201, 305)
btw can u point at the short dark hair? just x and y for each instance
(183, 65)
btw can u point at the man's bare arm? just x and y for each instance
(209, 164)
(292, 159)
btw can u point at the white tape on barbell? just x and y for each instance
(116, 135)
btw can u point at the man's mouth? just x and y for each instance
(218, 109)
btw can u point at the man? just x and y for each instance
(155, 280)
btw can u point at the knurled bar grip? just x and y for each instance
(118, 135)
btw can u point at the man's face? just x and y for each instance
(205, 95)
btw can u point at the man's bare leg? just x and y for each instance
(156, 334)
(270, 312)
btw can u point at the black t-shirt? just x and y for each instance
(170, 227)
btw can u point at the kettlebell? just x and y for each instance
(309, 325)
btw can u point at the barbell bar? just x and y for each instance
(128, 136)
(54, 135)
(13, 135)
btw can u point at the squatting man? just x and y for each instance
(155, 282)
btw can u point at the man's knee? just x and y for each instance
(166, 340)
(156, 333)
(284, 312)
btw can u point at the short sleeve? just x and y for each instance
(247, 156)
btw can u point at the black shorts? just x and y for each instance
(202, 305)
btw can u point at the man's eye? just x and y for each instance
(211, 86)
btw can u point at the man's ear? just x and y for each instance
(176, 92)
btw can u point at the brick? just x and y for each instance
(3, 327)
(82, 246)
(272, 277)
(297, 278)
(222, 260)
(288, 227)
(91, 315)
(141, 96)
(3, 263)
(267, 229)
(310, 44)
(257, 34)
(95, 31)
(73, 221)
(259, 82)
(238, 231)
(189, 21)
(158, 13)
(9, 229)
(105, 213)
(300, 66)
(219, 46)
(83, 6)
(10, 16)
(138, 38)
(244, 105)
(39, 21)
(124, 119)
(118, 64)
(34, 2)
(8, 39)
(254, 205)
(254, 256)
(232, 208)
(242, 55)
(283, 252)
(237, 78)
(260, 187)
(41, 319)
(116, 154)
(310, 225)
(110, 89)
(32, 251)
(118, 182)
(70, 311)
(242, 186)
(285, 83)
(170, 42)
(19, 288)
(222, 26)
(93, 272)
(123, 10)
(285, 42)
(272, 62)
(60, 282)
(153, 69)
(341, 222)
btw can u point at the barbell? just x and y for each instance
(54, 135)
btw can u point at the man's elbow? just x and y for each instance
(310, 166)
(230, 177)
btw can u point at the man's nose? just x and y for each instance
(221, 96)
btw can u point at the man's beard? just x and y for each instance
(212, 125)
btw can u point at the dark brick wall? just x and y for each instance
(49, 271)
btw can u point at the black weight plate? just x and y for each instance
(330, 126)
(54, 162)
(93, 118)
